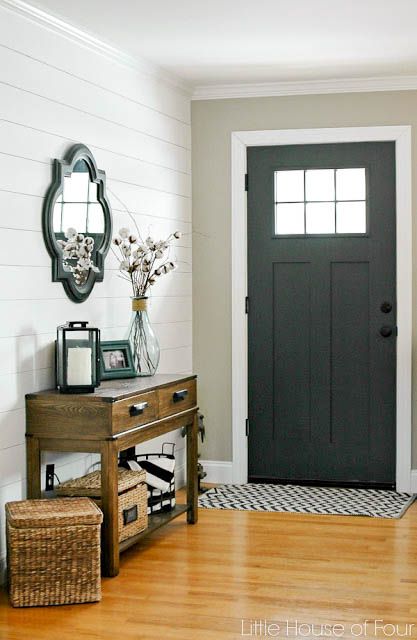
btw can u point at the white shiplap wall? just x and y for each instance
(55, 92)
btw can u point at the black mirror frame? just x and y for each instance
(61, 169)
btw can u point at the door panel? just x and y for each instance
(349, 351)
(291, 339)
(321, 376)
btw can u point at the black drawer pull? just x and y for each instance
(138, 409)
(130, 515)
(177, 396)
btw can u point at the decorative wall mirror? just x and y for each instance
(77, 223)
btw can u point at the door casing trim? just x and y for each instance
(240, 140)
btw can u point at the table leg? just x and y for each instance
(33, 467)
(192, 476)
(109, 505)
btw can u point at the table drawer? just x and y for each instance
(177, 397)
(135, 411)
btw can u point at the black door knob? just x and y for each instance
(385, 332)
(386, 307)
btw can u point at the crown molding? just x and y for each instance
(206, 92)
(93, 43)
(295, 88)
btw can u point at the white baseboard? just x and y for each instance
(218, 471)
(179, 476)
(413, 481)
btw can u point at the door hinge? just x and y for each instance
(246, 182)
(247, 427)
(247, 304)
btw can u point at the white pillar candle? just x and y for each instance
(79, 366)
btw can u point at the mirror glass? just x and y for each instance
(77, 223)
(78, 207)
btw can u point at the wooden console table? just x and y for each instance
(119, 415)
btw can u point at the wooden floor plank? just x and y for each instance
(198, 582)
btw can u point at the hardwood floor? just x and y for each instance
(199, 582)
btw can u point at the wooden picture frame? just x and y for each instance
(116, 360)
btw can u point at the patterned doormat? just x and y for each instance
(376, 503)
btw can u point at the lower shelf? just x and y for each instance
(155, 522)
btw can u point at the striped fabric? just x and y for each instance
(159, 471)
(160, 478)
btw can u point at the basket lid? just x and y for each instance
(90, 485)
(60, 512)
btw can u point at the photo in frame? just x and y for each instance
(116, 360)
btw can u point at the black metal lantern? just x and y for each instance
(77, 358)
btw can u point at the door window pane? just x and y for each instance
(314, 201)
(289, 218)
(289, 186)
(320, 184)
(351, 217)
(350, 184)
(320, 217)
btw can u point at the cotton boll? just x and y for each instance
(124, 232)
(84, 263)
(177, 235)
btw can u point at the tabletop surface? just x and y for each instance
(112, 390)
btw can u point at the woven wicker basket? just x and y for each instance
(133, 516)
(53, 551)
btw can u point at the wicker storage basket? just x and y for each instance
(133, 516)
(53, 551)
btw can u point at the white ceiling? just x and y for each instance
(252, 41)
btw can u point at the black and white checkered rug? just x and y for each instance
(376, 503)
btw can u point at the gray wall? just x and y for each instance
(212, 123)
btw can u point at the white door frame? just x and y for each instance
(401, 135)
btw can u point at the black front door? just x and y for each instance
(322, 310)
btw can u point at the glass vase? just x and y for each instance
(142, 339)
